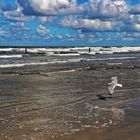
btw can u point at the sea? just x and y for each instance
(21, 57)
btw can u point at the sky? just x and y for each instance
(69, 22)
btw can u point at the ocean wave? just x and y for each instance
(112, 58)
(36, 63)
(11, 56)
(65, 54)
(54, 61)
(72, 50)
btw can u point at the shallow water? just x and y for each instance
(58, 104)
(61, 100)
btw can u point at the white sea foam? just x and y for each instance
(94, 50)
(114, 63)
(117, 50)
(36, 63)
(69, 54)
(10, 56)
(75, 50)
(6, 49)
(111, 58)
(66, 71)
(55, 62)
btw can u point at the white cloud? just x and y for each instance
(50, 7)
(42, 30)
(43, 20)
(19, 26)
(70, 21)
(16, 15)
(108, 9)
(12, 17)
(90, 24)
(136, 27)
(98, 25)
(105, 15)
(103, 9)
(2, 32)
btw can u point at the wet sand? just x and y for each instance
(70, 101)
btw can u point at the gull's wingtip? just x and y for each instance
(119, 85)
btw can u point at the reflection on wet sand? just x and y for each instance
(117, 113)
(44, 106)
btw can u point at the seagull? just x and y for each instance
(113, 84)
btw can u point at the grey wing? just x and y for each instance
(114, 80)
(111, 88)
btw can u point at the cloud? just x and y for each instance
(105, 16)
(19, 26)
(135, 10)
(43, 20)
(2, 32)
(47, 7)
(97, 25)
(136, 26)
(88, 25)
(42, 30)
(103, 9)
(46, 19)
(13, 16)
(108, 9)
(16, 15)
(130, 27)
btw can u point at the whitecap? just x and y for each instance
(10, 56)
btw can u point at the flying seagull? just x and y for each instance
(113, 84)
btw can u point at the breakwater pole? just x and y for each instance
(26, 51)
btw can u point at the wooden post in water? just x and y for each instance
(89, 50)
(26, 51)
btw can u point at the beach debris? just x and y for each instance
(75, 130)
(96, 107)
(87, 126)
(96, 122)
(113, 84)
(20, 126)
(110, 121)
(52, 136)
(105, 124)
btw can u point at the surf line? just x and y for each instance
(34, 64)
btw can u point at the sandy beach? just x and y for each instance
(70, 101)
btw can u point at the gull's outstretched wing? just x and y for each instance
(111, 88)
